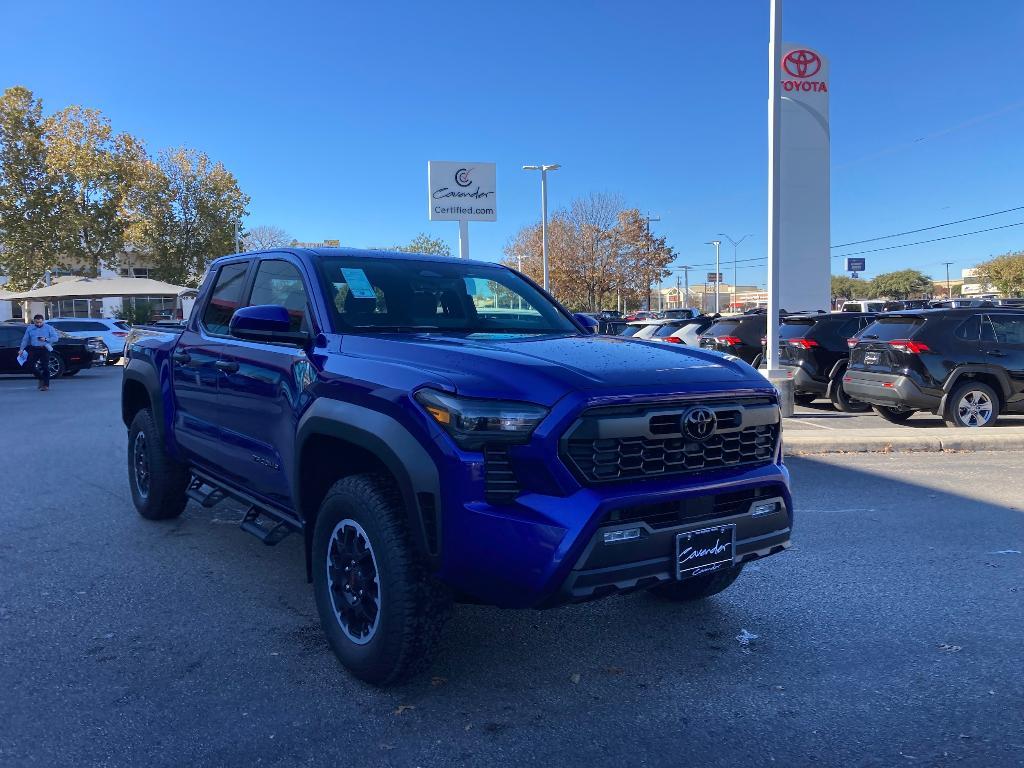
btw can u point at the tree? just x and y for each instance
(901, 285)
(644, 258)
(95, 174)
(424, 243)
(188, 209)
(850, 288)
(1006, 273)
(29, 209)
(264, 237)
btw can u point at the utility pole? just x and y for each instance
(686, 281)
(948, 294)
(735, 248)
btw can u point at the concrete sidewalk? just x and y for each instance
(902, 438)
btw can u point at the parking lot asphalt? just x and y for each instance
(889, 635)
(821, 416)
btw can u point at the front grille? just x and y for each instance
(616, 445)
(500, 482)
(667, 514)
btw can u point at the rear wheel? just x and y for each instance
(843, 402)
(381, 610)
(698, 587)
(893, 415)
(158, 482)
(972, 404)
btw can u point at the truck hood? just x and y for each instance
(544, 369)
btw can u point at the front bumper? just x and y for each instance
(542, 551)
(889, 390)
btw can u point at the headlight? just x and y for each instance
(472, 422)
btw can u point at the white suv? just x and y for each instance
(113, 332)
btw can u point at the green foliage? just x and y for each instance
(905, 284)
(188, 207)
(424, 243)
(1006, 273)
(848, 288)
(30, 225)
(135, 314)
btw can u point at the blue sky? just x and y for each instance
(328, 112)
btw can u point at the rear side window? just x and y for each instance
(278, 282)
(723, 328)
(629, 330)
(970, 329)
(667, 330)
(889, 328)
(225, 298)
(123, 325)
(93, 327)
(795, 329)
(1006, 329)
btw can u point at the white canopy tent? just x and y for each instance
(103, 296)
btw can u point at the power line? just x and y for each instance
(933, 240)
(925, 229)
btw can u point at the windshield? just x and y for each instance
(399, 295)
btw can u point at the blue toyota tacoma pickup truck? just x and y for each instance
(441, 430)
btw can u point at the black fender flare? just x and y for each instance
(142, 372)
(1005, 387)
(833, 376)
(394, 446)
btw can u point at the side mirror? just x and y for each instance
(268, 323)
(587, 322)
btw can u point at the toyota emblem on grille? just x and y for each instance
(699, 423)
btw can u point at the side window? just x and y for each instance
(11, 337)
(278, 282)
(849, 328)
(1008, 329)
(94, 327)
(225, 298)
(970, 329)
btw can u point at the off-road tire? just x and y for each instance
(892, 415)
(412, 605)
(697, 587)
(162, 496)
(952, 415)
(804, 398)
(842, 402)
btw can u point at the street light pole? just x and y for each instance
(774, 184)
(735, 248)
(544, 214)
(718, 274)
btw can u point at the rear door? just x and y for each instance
(1003, 343)
(10, 340)
(197, 368)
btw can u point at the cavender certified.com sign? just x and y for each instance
(462, 191)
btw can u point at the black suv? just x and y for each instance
(739, 335)
(814, 350)
(966, 365)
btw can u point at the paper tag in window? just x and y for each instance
(358, 285)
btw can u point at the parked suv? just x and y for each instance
(739, 335)
(113, 332)
(814, 350)
(966, 365)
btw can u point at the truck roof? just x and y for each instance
(361, 253)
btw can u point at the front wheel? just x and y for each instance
(698, 587)
(381, 610)
(157, 482)
(892, 415)
(972, 404)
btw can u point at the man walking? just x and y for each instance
(39, 339)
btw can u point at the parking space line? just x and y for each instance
(812, 424)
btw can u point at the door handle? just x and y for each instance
(228, 366)
(182, 358)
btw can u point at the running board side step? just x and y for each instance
(270, 534)
(208, 499)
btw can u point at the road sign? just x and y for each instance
(855, 265)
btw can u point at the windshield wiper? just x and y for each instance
(395, 328)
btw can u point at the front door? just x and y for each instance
(265, 392)
(1002, 341)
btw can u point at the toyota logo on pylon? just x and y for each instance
(802, 63)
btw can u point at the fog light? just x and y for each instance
(610, 537)
(760, 510)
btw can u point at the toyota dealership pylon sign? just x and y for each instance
(804, 227)
(462, 192)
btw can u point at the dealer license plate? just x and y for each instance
(704, 551)
(871, 358)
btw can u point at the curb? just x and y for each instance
(898, 441)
